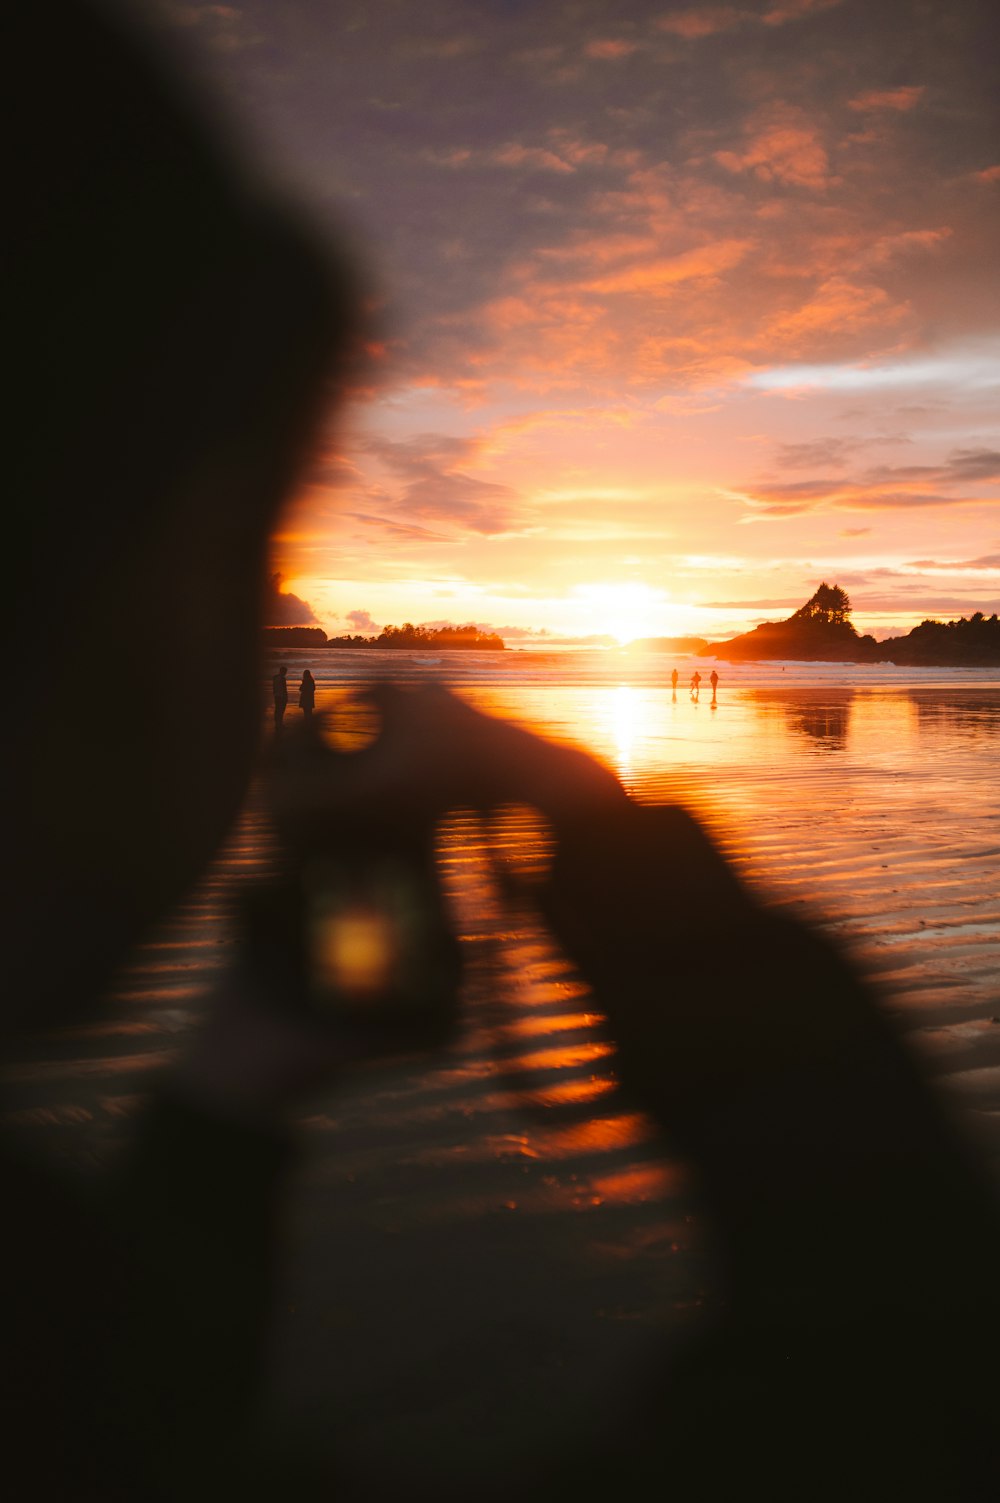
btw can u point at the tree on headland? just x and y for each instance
(829, 606)
(821, 631)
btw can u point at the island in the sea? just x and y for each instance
(407, 637)
(821, 631)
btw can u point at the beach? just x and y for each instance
(485, 1246)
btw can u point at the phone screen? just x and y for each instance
(377, 941)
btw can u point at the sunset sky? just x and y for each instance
(680, 308)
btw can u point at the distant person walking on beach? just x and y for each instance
(713, 679)
(279, 685)
(673, 682)
(307, 694)
(695, 684)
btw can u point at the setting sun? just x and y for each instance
(630, 610)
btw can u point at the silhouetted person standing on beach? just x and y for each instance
(673, 682)
(307, 694)
(695, 684)
(279, 685)
(713, 679)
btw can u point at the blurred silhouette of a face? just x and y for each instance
(175, 337)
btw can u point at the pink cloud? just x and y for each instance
(888, 99)
(709, 20)
(602, 250)
(516, 155)
(703, 21)
(609, 49)
(577, 151)
(887, 247)
(837, 307)
(782, 146)
(362, 622)
(794, 10)
(703, 261)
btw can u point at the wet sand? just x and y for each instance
(484, 1246)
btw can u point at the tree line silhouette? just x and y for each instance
(821, 630)
(405, 637)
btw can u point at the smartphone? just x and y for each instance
(361, 939)
(376, 936)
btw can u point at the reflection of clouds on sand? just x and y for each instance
(821, 717)
(970, 714)
(826, 723)
(885, 732)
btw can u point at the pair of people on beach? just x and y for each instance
(279, 688)
(696, 683)
(166, 309)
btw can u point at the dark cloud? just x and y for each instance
(330, 466)
(821, 451)
(284, 609)
(394, 528)
(975, 464)
(880, 487)
(437, 491)
(472, 142)
(474, 505)
(596, 207)
(424, 455)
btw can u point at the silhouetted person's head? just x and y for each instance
(174, 336)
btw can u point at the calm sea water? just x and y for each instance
(483, 1245)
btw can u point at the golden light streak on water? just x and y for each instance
(503, 1185)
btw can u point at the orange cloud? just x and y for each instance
(794, 10)
(515, 155)
(600, 251)
(709, 20)
(782, 146)
(609, 49)
(837, 307)
(703, 261)
(889, 246)
(704, 21)
(888, 99)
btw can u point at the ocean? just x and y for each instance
(472, 1233)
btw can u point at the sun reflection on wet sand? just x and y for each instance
(507, 1179)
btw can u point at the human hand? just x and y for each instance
(434, 753)
(255, 1058)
